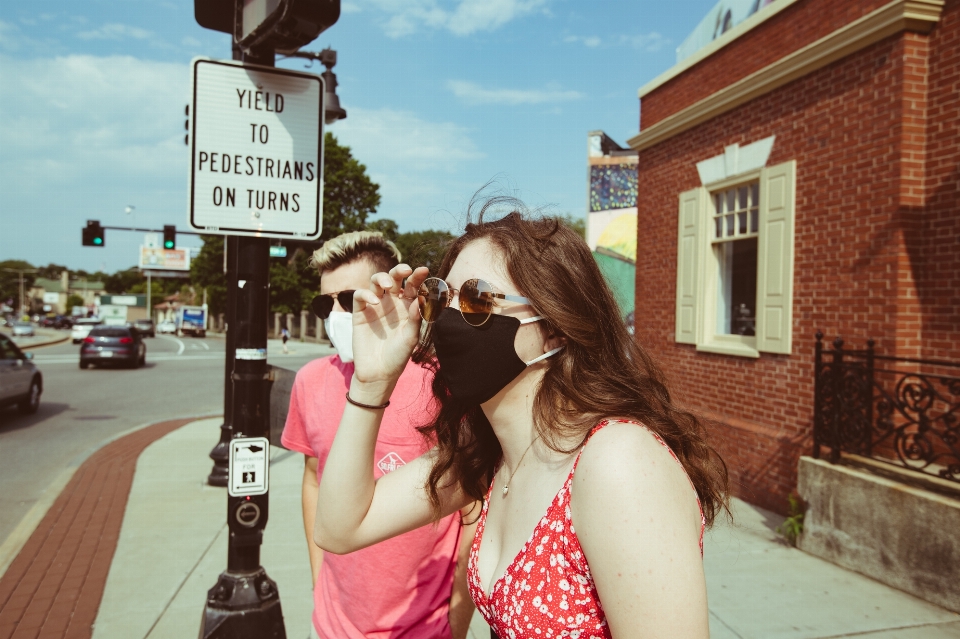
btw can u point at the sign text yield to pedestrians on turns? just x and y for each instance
(256, 145)
(249, 466)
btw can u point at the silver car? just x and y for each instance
(21, 383)
(23, 329)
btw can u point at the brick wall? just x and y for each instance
(791, 29)
(875, 137)
(939, 254)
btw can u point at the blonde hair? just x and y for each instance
(358, 245)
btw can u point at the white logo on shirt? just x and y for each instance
(390, 463)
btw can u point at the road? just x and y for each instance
(80, 409)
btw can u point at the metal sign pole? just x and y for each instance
(245, 603)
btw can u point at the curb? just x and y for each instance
(58, 340)
(54, 584)
(55, 339)
(19, 536)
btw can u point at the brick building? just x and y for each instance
(799, 173)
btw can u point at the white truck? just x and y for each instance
(192, 320)
(113, 314)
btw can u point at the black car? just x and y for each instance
(120, 345)
(146, 327)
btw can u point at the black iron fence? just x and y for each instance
(895, 410)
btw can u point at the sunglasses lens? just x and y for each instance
(476, 302)
(322, 305)
(346, 300)
(434, 296)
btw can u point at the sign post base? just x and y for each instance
(243, 606)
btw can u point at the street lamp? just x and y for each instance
(332, 111)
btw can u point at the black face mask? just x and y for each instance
(477, 362)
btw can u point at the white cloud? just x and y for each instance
(460, 17)
(474, 94)
(413, 160)
(115, 31)
(349, 7)
(86, 134)
(650, 42)
(589, 41)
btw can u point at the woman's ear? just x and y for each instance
(553, 341)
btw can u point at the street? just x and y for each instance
(80, 409)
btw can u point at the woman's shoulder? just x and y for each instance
(626, 454)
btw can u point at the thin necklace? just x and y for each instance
(506, 486)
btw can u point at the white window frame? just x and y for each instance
(698, 268)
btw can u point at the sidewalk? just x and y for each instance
(42, 337)
(172, 546)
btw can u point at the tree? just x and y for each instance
(349, 195)
(578, 224)
(123, 281)
(386, 226)
(73, 300)
(51, 271)
(423, 248)
(206, 270)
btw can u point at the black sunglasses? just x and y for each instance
(323, 304)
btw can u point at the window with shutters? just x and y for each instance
(735, 263)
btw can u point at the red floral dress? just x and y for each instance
(547, 591)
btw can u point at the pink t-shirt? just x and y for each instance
(399, 588)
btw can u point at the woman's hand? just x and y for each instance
(386, 328)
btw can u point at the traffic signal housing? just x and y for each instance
(283, 25)
(169, 237)
(93, 234)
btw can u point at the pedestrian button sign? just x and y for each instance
(249, 466)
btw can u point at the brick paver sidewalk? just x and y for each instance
(54, 586)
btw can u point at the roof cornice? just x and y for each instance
(899, 15)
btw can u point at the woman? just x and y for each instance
(553, 416)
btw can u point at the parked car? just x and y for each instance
(122, 345)
(146, 327)
(167, 327)
(20, 381)
(23, 329)
(81, 328)
(56, 321)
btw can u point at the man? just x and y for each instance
(410, 586)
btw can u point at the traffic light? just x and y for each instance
(93, 233)
(169, 237)
(283, 25)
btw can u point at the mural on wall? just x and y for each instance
(612, 216)
(724, 16)
(613, 186)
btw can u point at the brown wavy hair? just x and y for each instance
(603, 371)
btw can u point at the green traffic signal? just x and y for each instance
(169, 237)
(92, 234)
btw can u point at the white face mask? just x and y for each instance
(339, 328)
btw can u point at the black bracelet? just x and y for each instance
(370, 406)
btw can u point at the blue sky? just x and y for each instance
(442, 96)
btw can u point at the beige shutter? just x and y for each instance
(775, 259)
(689, 262)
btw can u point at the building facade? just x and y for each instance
(800, 173)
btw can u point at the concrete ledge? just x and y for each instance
(896, 533)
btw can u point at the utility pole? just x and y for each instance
(21, 271)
